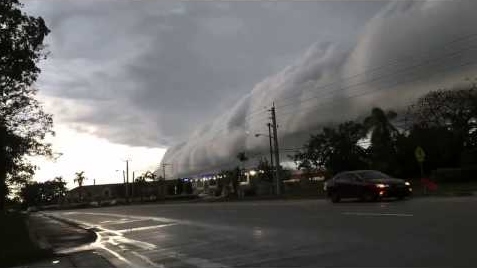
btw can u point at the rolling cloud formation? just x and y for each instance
(407, 49)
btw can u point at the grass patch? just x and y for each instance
(16, 247)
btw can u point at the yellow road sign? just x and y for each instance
(420, 154)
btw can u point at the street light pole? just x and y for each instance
(127, 181)
(277, 154)
(132, 187)
(271, 147)
(164, 164)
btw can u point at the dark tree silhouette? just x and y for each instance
(43, 193)
(23, 123)
(79, 179)
(383, 137)
(335, 149)
(140, 184)
(453, 113)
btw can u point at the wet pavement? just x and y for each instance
(437, 232)
(57, 234)
(71, 245)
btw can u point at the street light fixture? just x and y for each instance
(270, 137)
(270, 140)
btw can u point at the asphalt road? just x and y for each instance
(421, 232)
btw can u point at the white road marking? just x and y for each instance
(117, 238)
(137, 243)
(121, 221)
(147, 260)
(121, 216)
(112, 252)
(197, 262)
(144, 228)
(112, 237)
(377, 214)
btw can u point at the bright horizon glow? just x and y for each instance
(97, 157)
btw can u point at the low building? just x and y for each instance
(117, 191)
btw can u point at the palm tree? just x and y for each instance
(383, 135)
(80, 178)
(141, 182)
(60, 188)
(151, 176)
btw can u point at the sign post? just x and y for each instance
(420, 157)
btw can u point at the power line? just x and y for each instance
(390, 63)
(348, 97)
(253, 115)
(360, 94)
(211, 168)
(402, 70)
(394, 62)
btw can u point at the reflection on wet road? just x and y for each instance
(420, 232)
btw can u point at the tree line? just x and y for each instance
(442, 122)
(23, 123)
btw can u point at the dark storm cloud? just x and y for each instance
(150, 72)
(407, 49)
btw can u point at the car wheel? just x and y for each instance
(335, 197)
(368, 197)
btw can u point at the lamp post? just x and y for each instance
(271, 148)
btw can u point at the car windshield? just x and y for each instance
(372, 175)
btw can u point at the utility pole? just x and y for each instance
(132, 188)
(271, 147)
(164, 164)
(164, 169)
(127, 181)
(277, 152)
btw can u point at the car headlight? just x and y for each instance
(407, 183)
(380, 185)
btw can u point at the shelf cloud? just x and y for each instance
(405, 50)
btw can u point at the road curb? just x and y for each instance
(77, 225)
(82, 255)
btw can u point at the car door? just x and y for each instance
(344, 185)
(358, 185)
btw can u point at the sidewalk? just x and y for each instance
(58, 236)
(80, 259)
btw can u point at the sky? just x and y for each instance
(130, 79)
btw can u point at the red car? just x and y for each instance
(367, 185)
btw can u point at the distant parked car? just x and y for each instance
(367, 185)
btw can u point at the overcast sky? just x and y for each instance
(141, 76)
